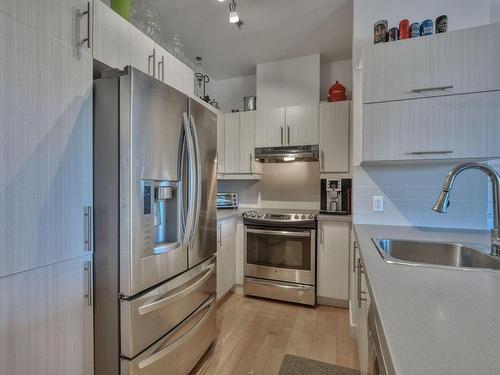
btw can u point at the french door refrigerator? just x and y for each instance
(155, 226)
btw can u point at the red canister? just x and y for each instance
(337, 93)
(404, 29)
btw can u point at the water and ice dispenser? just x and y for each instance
(160, 216)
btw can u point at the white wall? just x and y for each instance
(495, 11)
(229, 93)
(288, 82)
(335, 71)
(409, 191)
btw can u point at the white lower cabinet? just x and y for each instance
(46, 320)
(226, 256)
(333, 262)
(353, 302)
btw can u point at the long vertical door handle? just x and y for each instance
(190, 149)
(87, 269)
(87, 228)
(360, 291)
(251, 159)
(282, 135)
(79, 16)
(198, 176)
(355, 247)
(162, 70)
(289, 136)
(322, 160)
(152, 63)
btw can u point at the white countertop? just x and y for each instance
(435, 320)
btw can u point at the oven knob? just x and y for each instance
(311, 216)
(253, 214)
(295, 216)
(303, 217)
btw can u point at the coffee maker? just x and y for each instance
(336, 196)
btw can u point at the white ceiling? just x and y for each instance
(272, 30)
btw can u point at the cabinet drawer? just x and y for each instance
(150, 316)
(458, 62)
(446, 127)
(179, 351)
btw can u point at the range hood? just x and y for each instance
(287, 154)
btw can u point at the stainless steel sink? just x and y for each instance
(447, 254)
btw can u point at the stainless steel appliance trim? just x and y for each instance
(197, 179)
(281, 285)
(437, 88)
(162, 352)
(279, 290)
(209, 271)
(190, 145)
(439, 152)
(283, 233)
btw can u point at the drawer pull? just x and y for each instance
(159, 354)
(443, 152)
(176, 296)
(438, 88)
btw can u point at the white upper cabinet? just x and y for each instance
(334, 137)
(247, 142)
(220, 143)
(302, 125)
(270, 127)
(232, 142)
(447, 127)
(458, 62)
(118, 43)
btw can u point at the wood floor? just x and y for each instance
(255, 334)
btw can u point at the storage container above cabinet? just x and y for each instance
(457, 62)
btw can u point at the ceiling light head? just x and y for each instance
(233, 14)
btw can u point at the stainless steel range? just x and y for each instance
(280, 255)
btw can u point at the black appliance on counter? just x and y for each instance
(227, 200)
(336, 196)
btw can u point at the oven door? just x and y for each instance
(280, 254)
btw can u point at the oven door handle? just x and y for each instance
(281, 285)
(283, 233)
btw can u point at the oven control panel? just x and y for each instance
(277, 217)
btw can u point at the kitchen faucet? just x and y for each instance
(443, 200)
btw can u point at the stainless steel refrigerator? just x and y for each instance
(155, 226)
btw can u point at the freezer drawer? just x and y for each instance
(148, 317)
(179, 351)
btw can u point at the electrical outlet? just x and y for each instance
(378, 203)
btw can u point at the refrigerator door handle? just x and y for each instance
(209, 271)
(162, 352)
(191, 157)
(197, 180)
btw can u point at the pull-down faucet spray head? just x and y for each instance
(442, 202)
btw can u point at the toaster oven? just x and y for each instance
(227, 200)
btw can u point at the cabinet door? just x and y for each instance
(232, 143)
(270, 127)
(334, 136)
(240, 252)
(45, 147)
(447, 127)
(247, 142)
(220, 143)
(353, 302)
(462, 61)
(46, 321)
(302, 125)
(178, 74)
(333, 260)
(226, 257)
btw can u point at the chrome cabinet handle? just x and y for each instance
(251, 159)
(79, 15)
(143, 310)
(437, 88)
(438, 152)
(354, 266)
(163, 352)
(282, 135)
(152, 62)
(360, 292)
(322, 160)
(322, 237)
(162, 70)
(87, 269)
(219, 228)
(87, 228)
(288, 135)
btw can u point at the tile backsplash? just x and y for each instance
(283, 185)
(410, 191)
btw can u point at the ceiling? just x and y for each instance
(272, 30)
